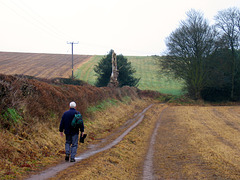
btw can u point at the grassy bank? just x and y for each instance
(146, 68)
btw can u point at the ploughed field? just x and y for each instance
(40, 65)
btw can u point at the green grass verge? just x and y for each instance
(86, 72)
(107, 103)
(102, 105)
(146, 68)
(10, 118)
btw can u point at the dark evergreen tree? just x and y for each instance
(126, 72)
(218, 87)
(228, 22)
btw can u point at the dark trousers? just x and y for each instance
(71, 145)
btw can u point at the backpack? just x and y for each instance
(77, 121)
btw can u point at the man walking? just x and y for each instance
(71, 133)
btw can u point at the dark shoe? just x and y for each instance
(67, 157)
(72, 160)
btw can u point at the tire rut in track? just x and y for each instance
(148, 164)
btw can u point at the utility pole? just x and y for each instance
(72, 53)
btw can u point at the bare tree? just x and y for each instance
(228, 22)
(188, 49)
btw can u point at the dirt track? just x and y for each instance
(184, 142)
(39, 65)
(104, 145)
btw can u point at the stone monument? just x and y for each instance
(113, 79)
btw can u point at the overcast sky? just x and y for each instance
(130, 27)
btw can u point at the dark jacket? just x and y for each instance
(66, 122)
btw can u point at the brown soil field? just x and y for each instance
(40, 65)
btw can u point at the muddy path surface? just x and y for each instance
(148, 167)
(94, 149)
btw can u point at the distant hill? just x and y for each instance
(39, 64)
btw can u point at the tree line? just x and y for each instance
(206, 57)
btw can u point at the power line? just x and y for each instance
(43, 21)
(30, 17)
(29, 14)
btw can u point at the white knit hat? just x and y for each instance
(72, 104)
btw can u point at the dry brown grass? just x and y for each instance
(40, 65)
(198, 143)
(20, 155)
